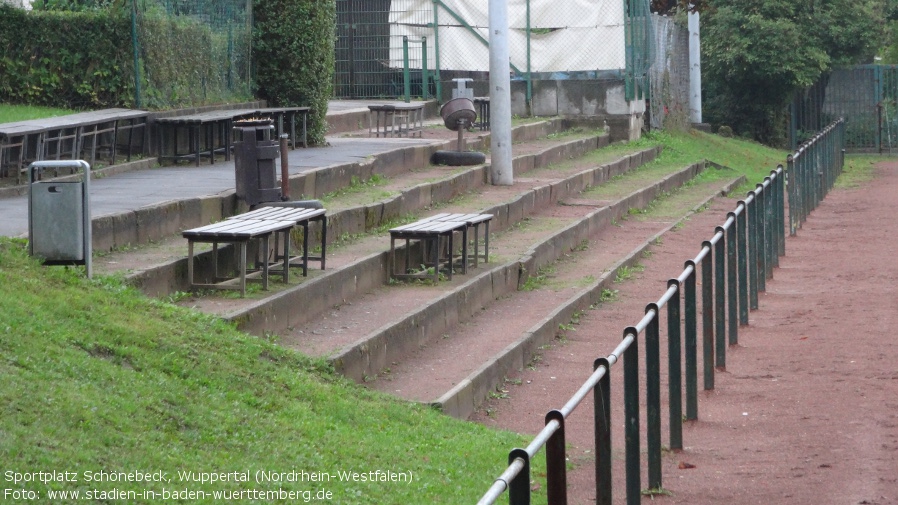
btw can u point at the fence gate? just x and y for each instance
(369, 59)
(865, 95)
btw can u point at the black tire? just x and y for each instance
(457, 158)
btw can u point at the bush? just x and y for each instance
(293, 51)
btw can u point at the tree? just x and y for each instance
(757, 53)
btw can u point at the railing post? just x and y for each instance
(556, 464)
(519, 487)
(770, 253)
(653, 395)
(602, 416)
(732, 285)
(793, 194)
(762, 237)
(406, 75)
(631, 418)
(708, 317)
(691, 339)
(752, 216)
(720, 294)
(781, 210)
(425, 75)
(742, 245)
(674, 371)
(774, 221)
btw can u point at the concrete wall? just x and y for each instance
(573, 98)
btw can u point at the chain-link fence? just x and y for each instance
(192, 52)
(866, 96)
(571, 39)
(669, 74)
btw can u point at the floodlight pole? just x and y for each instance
(500, 96)
(695, 68)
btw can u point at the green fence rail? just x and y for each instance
(735, 265)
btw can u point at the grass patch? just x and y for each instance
(858, 170)
(98, 376)
(12, 113)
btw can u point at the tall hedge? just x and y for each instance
(293, 53)
(65, 59)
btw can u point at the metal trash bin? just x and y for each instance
(255, 153)
(463, 88)
(59, 221)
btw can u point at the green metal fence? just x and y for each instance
(865, 95)
(192, 52)
(450, 38)
(734, 266)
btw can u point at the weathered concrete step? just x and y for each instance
(460, 369)
(168, 275)
(277, 312)
(380, 349)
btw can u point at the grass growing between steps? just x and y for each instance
(683, 149)
(98, 377)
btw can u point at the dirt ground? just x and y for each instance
(806, 411)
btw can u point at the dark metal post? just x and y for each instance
(793, 194)
(425, 76)
(774, 219)
(631, 418)
(742, 245)
(691, 344)
(285, 169)
(519, 487)
(781, 210)
(770, 256)
(720, 297)
(556, 466)
(653, 395)
(674, 370)
(602, 413)
(708, 317)
(761, 210)
(732, 286)
(406, 75)
(752, 208)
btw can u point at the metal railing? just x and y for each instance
(734, 266)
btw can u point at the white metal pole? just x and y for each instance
(695, 69)
(500, 96)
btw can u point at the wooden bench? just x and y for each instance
(472, 221)
(239, 232)
(207, 133)
(429, 234)
(72, 136)
(387, 120)
(300, 217)
(286, 116)
(483, 112)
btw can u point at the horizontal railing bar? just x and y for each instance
(672, 290)
(584, 390)
(618, 351)
(644, 322)
(542, 437)
(686, 273)
(716, 238)
(701, 255)
(501, 483)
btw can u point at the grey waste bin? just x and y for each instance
(59, 222)
(254, 162)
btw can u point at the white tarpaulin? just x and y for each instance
(566, 35)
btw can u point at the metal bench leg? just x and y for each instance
(305, 249)
(286, 255)
(436, 260)
(392, 256)
(323, 240)
(190, 262)
(476, 243)
(486, 242)
(464, 250)
(265, 263)
(242, 266)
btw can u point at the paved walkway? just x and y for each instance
(132, 190)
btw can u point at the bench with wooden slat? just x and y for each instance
(429, 234)
(473, 221)
(239, 232)
(301, 217)
(411, 114)
(207, 133)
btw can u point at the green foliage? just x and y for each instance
(72, 60)
(293, 50)
(757, 53)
